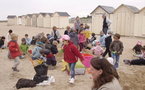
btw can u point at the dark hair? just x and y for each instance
(93, 34)
(26, 34)
(143, 48)
(3, 37)
(10, 31)
(117, 35)
(109, 72)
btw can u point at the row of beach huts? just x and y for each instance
(47, 20)
(126, 20)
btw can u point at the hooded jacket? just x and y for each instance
(71, 53)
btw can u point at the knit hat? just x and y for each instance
(139, 43)
(65, 37)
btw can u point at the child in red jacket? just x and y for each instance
(14, 51)
(71, 54)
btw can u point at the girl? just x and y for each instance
(97, 50)
(70, 55)
(104, 75)
(82, 40)
(14, 51)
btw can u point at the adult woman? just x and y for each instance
(104, 75)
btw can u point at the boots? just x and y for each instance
(15, 69)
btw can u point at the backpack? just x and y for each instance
(25, 83)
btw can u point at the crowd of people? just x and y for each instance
(74, 41)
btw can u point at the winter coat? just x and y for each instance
(116, 46)
(24, 48)
(14, 49)
(114, 85)
(36, 52)
(71, 53)
(82, 38)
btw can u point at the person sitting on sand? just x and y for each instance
(140, 61)
(104, 75)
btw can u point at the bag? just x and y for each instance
(80, 68)
(40, 78)
(25, 83)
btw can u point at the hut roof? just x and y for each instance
(142, 9)
(131, 8)
(44, 14)
(107, 9)
(30, 15)
(11, 16)
(63, 13)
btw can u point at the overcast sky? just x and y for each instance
(73, 7)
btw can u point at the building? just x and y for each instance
(34, 20)
(123, 19)
(12, 20)
(139, 29)
(97, 20)
(60, 19)
(44, 20)
(29, 20)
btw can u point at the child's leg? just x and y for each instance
(117, 60)
(54, 61)
(16, 63)
(72, 69)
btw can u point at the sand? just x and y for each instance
(131, 77)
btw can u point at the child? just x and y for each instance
(137, 47)
(140, 61)
(102, 39)
(14, 51)
(2, 42)
(36, 51)
(51, 60)
(24, 47)
(33, 42)
(8, 36)
(93, 38)
(97, 50)
(108, 41)
(28, 40)
(82, 40)
(116, 49)
(70, 56)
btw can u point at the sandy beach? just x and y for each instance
(131, 77)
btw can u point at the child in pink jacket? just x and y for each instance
(82, 40)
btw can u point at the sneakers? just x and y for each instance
(51, 79)
(15, 69)
(71, 81)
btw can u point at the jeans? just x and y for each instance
(16, 62)
(116, 59)
(72, 69)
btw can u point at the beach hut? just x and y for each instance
(139, 29)
(44, 20)
(123, 20)
(29, 20)
(12, 20)
(19, 20)
(34, 20)
(60, 19)
(97, 20)
(23, 20)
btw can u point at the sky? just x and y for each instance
(73, 7)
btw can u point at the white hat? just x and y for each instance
(110, 60)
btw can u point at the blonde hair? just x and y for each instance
(55, 43)
(13, 36)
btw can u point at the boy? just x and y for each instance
(14, 51)
(116, 49)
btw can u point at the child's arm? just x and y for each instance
(12, 47)
(77, 53)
